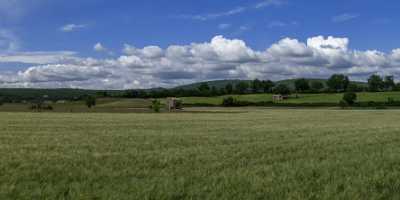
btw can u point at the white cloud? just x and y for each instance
(344, 17)
(99, 47)
(37, 57)
(267, 3)
(220, 58)
(209, 16)
(234, 11)
(72, 27)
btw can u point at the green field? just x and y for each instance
(302, 98)
(125, 105)
(217, 154)
(109, 105)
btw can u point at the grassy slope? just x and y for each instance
(303, 98)
(279, 154)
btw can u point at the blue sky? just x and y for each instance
(44, 42)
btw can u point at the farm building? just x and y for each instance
(174, 104)
(279, 97)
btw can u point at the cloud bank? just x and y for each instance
(220, 58)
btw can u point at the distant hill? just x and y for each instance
(50, 94)
(290, 82)
(71, 94)
(222, 83)
(218, 84)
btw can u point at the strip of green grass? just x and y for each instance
(302, 98)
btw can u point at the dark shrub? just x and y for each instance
(282, 89)
(90, 101)
(156, 105)
(350, 97)
(178, 104)
(228, 102)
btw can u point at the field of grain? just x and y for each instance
(221, 154)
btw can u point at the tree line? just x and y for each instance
(337, 83)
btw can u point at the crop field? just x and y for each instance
(201, 154)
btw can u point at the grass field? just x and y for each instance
(224, 154)
(109, 105)
(121, 105)
(303, 98)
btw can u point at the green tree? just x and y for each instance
(282, 89)
(204, 89)
(353, 88)
(229, 88)
(228, 101)
(389, 83)
(338, 82)
(214, 91)
(317, 85)
(256, 85)
(242, 87)
(267, 86)
(302, 85)
(350, 97)
(375, 83)
(397, 87)
(222, 91)
(90, 101)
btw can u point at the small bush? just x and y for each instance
(40, 106)
(350, 97)
(90, 101)
(178, 104)
(229, 102)
(156, 105)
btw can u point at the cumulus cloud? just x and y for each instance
(72, 27)
(220, 58)
(99, 47)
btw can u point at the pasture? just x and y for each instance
(302, 98)
(215, 154)
(135, 105)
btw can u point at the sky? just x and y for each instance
(125, 44)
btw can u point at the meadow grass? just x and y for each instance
(302, 98)
(250, 154)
